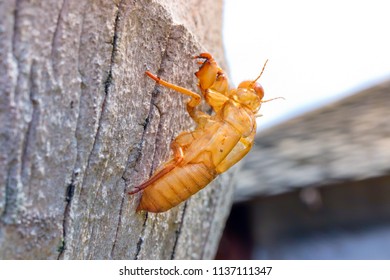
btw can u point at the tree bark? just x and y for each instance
(81, 125)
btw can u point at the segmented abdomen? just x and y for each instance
(175, 187)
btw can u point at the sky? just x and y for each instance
(318, 51)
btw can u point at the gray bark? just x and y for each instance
(81, 125)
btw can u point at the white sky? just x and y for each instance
(318, 51)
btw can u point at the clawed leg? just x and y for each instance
(211, 76)
(195, 98)
(167, 168)
(204, 56)
(197, 115)
(207, 73)
(177, 147)
(178, 153)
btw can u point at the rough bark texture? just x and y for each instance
(81, 125)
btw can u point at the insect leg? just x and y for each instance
(207, 73)
(178, 146)
(195, 98)
(178, 153)
(238, 152)
(215, 99)
(197, 115)
(166, 169)
(182, 142)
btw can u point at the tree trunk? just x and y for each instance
(81, 125)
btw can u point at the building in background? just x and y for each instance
(317, 186)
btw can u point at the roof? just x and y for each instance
(347, 140)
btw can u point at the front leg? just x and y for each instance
(207, 73)
(210, 75)
(195, 98)
(197, 115)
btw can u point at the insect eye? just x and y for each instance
(259, 90)
(255, 86)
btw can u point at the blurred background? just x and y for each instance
(317, 183)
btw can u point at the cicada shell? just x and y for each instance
(218, 142)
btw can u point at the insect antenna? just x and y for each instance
(262, 70)
(258, 77)
(264, 101)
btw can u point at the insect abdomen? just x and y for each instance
(175, 187)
